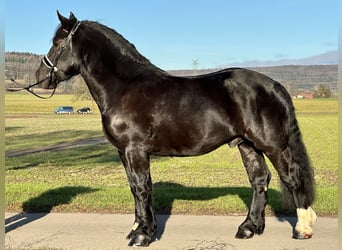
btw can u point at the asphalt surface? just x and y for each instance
(108, 231)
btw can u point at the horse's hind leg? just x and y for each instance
(259, 177)
(297, 180)
(137, 168)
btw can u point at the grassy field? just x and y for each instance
(92, 179)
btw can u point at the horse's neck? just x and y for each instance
(108, 71)
(107, 86)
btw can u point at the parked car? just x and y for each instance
(64, 110)
(84, 110)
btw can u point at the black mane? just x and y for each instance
(115, 46)
(118, 41)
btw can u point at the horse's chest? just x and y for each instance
(123, 130)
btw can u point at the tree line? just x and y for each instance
(21, 66)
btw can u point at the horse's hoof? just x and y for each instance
(260, 229)
(301, 236)
(139, 241)
(244, 233)
(247, 229)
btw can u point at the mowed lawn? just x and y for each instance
(92, 178)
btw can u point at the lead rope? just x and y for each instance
(28, 89)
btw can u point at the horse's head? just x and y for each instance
(59, 64)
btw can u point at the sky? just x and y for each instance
(175, 34)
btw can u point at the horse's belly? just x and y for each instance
(188, 143)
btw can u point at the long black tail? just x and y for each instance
(299, 167)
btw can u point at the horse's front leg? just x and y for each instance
(137, 168)
(259, 177)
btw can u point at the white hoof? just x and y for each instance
(306, 218)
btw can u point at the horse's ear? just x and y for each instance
(72, 18)
(62, 19)
(67, 23)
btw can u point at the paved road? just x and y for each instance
(108, 231)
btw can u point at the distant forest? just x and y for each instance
(296, 78)
(21, 66)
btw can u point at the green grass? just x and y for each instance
(316, 106)
(92, 179)
(24, 103)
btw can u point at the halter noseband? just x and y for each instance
(52, 67)
(49, 64)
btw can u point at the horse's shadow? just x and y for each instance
(165, 193)
(44, 203)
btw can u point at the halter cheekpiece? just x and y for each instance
(48, 63)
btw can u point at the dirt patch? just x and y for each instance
(20, 116)
(58, 146)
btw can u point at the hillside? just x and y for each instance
(293, 77)
(22, 66)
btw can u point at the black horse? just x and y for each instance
(145, 111)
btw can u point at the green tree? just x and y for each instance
(322, 92)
